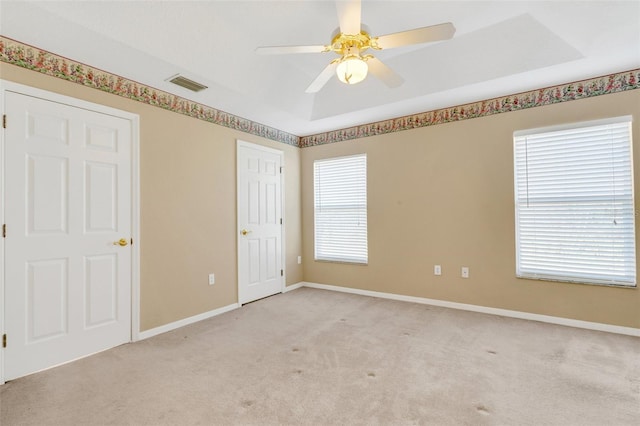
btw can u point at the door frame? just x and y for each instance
(241, 143)
(8, 86)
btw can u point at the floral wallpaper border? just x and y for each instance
(604, 85)
(25, 56)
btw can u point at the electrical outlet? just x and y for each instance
(299, 260)
(437, 270)
(465, 272)
(212, 279)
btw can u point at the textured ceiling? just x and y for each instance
(499, 48)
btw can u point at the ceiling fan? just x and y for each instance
(352, 41)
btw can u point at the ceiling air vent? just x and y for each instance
(186, 83)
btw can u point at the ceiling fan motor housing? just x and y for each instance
(346, 44)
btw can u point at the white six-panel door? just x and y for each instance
(67, 201)
(260, 271)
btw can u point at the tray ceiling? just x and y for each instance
(499, 48)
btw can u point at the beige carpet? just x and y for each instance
(325, 358)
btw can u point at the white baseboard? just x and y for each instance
(293, 287)
(630, 331)
(181, 323)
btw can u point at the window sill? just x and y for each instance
(342, 262)
(569, 281)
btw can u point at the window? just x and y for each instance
(340, 205)
(574, 203)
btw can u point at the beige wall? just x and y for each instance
(188, 204)
(444, 195)
(437, 195)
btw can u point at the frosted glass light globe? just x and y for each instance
(352, 70)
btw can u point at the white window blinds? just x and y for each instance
(340, 203)
(574, 203)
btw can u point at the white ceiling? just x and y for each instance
(500, 48)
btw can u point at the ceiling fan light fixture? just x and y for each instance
(352, 70)
(351, 40)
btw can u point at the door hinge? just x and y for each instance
(281, 169)
(4, 121)
(280, 221)
(4, 230)
(282, 272)
(4, 340)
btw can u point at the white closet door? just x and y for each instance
(68, 200)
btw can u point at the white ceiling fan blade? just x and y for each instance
(384, 73)
(419, 35)
(283, 50)
(323, 78)
(349, 16)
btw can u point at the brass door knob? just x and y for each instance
(122, 242)
(245, 232)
